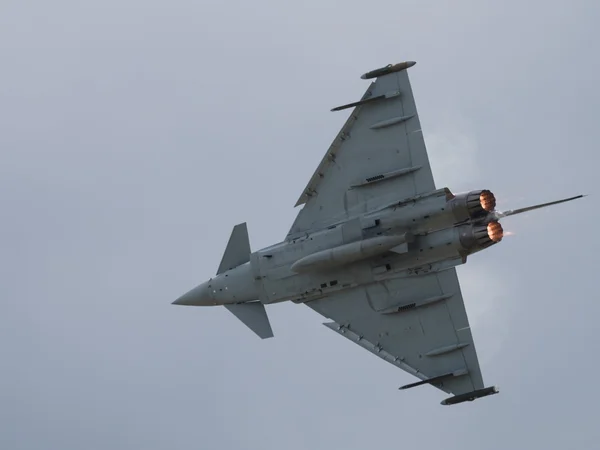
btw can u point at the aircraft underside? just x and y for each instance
(374, 248)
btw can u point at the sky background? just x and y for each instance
(133, 137)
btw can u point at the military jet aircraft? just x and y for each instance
(374, 248)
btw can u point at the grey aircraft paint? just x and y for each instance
(374, 248)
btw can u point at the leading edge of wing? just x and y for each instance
(329, 156)
(344, 131)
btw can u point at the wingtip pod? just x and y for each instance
(390, 68)
(470, 396)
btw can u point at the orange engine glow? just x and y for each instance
(495, 231)
(487, 201)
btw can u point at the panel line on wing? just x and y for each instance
(405, 306)
(446, 349)
(389, 122)
(385, 176)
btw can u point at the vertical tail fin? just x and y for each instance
(238, 249)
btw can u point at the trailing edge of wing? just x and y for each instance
(238, 249)
(254, 316)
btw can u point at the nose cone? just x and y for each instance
(199, 296)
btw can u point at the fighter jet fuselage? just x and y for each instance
(410, 237)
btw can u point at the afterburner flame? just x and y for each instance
(495, 231)
(487, 200)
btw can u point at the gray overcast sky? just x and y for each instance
(134, 135)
